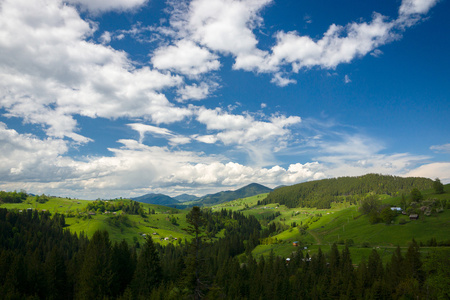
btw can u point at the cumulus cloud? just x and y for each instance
(242, 129)
(338, 45)
(409, 7)
(27, 158)
(40, 166)
(439, 170)
(105, 38)
(196, 91)
(226, 27)
(60, 74)
(186, 58)
(281, 81)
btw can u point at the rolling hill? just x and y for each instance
(321, 193)
(221, 197)
(185, 198)
(159, 199)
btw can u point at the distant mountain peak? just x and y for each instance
(249, 190)
(159, 199)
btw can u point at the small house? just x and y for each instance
(414, 217)
(396, 209)
(295, 244)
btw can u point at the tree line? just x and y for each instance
(40, 259)
(321, 193)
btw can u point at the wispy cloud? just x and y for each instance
(441, 148)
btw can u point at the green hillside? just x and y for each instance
(157, 221)
(221, 197)
(243, 239)
(342, 222)
(321, 193)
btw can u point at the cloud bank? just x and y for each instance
(52, 71)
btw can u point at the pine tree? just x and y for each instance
(193, 277)
(95, 274)
(438, 186)
(148, 274)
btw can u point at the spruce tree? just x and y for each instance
(194, 278)
(148, 274)
(95, 274)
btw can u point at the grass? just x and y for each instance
(341, 222)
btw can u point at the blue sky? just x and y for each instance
(121, 98)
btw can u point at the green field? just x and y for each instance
(158, 226)
(343, 224)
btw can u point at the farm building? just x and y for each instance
(413, 217)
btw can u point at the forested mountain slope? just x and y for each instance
(321, 193)
(159, 199)
(246, 191)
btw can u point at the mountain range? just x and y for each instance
(211, 199)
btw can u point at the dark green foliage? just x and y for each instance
(41, 260)
(416, 195)
(13, 197)
(132, 207)
(194, 277)
(246, 191)
(159, 199)
(369, 205)
(148, 273)
(387, 215)
(438, 186)
(96, 273)
(322, 193)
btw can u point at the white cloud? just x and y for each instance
(224, 26)
(240, 129)
(355, 154)
(60, 74)
(282, 81)
(441, 148)
(207, 139)
(196, 91)
(347, 79)
(27, 158)
(174, 139)
(186, 58)
(338, 45)
(39, 166)
(409, 7)
(105, 38)
(435, 170)
(258, 138)
(376, 53)
(97, 6)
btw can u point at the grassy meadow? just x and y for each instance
(312, 228)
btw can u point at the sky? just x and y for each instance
(120, 98)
